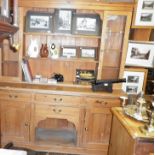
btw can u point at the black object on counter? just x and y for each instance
(58, 77)
(105, 85)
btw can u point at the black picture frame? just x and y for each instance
(39, 22)
(86, 24)
(88, 53)
(63, 20)
(68, 52)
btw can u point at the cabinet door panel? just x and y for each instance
(15, 117)
(97, 128)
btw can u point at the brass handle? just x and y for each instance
(15, 96)
(101, 102)
(26, 124)
(60, 99)
(57, 110)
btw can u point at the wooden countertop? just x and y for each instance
(131, 125)
(59, 89)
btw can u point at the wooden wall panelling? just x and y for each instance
(140, 34)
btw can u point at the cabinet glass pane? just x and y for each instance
(114, 39)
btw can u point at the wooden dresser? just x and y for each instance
(126, 138)
(30, 111)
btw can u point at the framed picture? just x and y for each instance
(5, 9)
(145, 13)
(68, 52)
(39, 22)
(135, 80)
(90, 53)
(86, 24)
(63, 21)
(140, 54)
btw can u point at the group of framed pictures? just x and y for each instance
(78, 52)
(140, 54)
(145, 13)
(63, 21)
(135, 80)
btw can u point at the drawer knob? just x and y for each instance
(55, 99)
(57, 110)
(15, 96)
(60, 100)
(10, 96)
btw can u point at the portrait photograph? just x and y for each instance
(135, 80)
(39, 22)
(68, 52)
(63, 21)
(140, 54)
(146, 17)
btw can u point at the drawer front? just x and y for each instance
(58, 99)
(12, 95)
(49, 110)
(107, 103)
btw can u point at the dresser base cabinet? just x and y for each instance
(61, 123)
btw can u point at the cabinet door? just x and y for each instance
(15, 118)
(97, 128)
(114, 42)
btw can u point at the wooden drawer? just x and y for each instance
(13, 95)
(58, 99)
(107, 103)
(50, 110)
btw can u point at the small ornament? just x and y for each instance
(33, 49)
(54, 51)
(44, 50)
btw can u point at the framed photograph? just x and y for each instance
(135, 80)
(63, 21)
(145, 13)
(90, 53)
(39, 22)
(86, 24)
(140, 54)
(5, 9)
(68, 52)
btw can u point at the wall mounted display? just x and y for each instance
(63, 21)
(140, 54)
(39, 22)
(145, 13)
(5, 9)
(68, 52)
(90, 53)
(135, 80)
(86, 24)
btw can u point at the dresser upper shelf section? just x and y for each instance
(121, 5)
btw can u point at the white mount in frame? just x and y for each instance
(145, 13)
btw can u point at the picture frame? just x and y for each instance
(68, 52)
(135, 80)
(39, 21)
(145, 13)
(63, 20)
(5, 9)
(88, 53)
(86, 24)
(140, 54)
